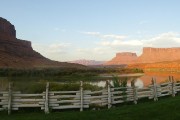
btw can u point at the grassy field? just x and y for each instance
(164, 109)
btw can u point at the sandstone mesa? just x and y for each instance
(149, 55)
(122, 58)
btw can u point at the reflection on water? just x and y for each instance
(140, 81)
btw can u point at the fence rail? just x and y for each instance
(81, 99)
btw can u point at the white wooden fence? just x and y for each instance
(14, 100)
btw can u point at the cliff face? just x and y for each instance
(10, 44)
(158, 59)
(7, 30)
(122, 58)
(16, 53)
(152, 55)
(169, 66)
(18, 48)
(149, 55)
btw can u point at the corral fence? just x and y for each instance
(83, 99)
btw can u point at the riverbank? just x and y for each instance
(121, 75)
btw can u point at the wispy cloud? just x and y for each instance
(53, 50)
(92, 51)
(105, 36)
(120, 43)
(58, 29)
(57, 48)
(123, 43)
(91, 33)
(106, 46)
(169, 39)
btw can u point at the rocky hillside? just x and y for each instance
(122, 58)
(17, 53)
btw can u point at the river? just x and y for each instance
(141, 80)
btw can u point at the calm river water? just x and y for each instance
(141, 80)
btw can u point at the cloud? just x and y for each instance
(91, 33)
(58, 29)
(106, 36)
(123, 44)
(169, 39)
(53, 51)
(96, 53)
(106, 46)
(92, 51)
(59, 45)
(112, 36)
(57, 48)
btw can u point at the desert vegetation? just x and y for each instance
(62, 74)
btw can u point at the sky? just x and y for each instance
(66, 30)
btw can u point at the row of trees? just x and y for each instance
(9, 72)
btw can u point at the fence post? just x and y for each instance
(134, 92)
(172, 88)
(154, 89)
(81, 96)
(109, 94)
(46, 110)
(9, 99)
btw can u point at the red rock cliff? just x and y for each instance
(16, 53)
(152, 55)
(122, 58)
(13, 46)
(7, 30)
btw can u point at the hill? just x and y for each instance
(17, 53)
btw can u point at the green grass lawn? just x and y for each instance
(164, 109)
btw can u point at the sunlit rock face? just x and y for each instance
(122, 58)
(153, 55)
(161, 59)
(149, 55)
